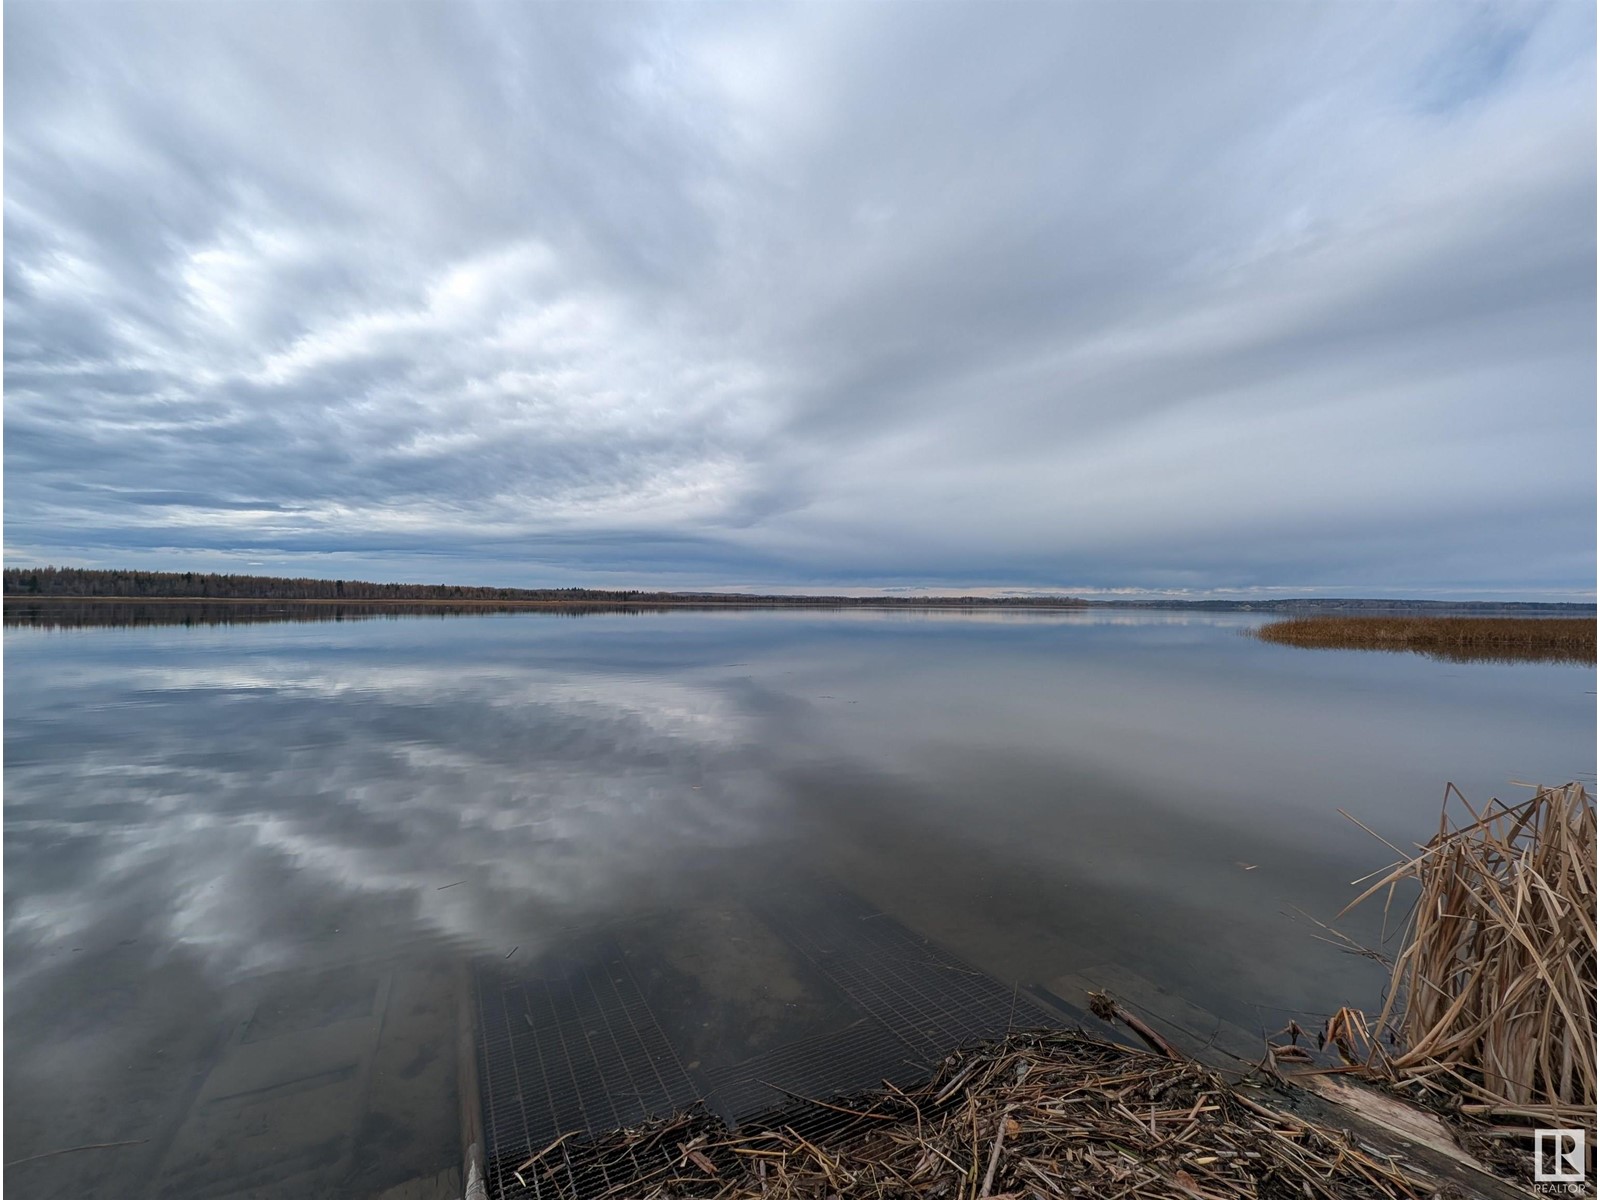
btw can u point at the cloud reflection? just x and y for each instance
(247, 813)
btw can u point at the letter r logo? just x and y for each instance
(1558, 1156)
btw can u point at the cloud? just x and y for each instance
(804, 295)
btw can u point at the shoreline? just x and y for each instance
(1421, 610)
(389, 602)
(1039, 1113)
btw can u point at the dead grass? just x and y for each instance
(1458, 639)
(1493, 997)
(1036, 1115)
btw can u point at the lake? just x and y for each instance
(232, 846)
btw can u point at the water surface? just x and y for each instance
(262, 839)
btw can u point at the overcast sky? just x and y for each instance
(1215, 297)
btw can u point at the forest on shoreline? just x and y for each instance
(35, 583)
(76, 583)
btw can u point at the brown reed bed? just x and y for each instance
(1035, 1115)
(1456, 639)
(1493, 996)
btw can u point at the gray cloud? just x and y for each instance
(1201, 296)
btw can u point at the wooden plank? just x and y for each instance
(1397, 1127)
(472, 1164)
(1393, 1114)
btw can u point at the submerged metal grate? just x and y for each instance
(931, 999)
(917, 1003)
(575, 1047)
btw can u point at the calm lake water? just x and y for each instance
(227, 845)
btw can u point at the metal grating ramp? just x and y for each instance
(573, 1048)
(916, 1001)
(576, 1046)
(930, 999)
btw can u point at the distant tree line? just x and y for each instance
(74, 582)
(80, 612)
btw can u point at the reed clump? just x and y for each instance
(1035, 1115)
(1456, 639)
(1493, 997)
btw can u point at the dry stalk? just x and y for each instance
(1493, 994)
(1037, 1114)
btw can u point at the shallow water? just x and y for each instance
(229, 844)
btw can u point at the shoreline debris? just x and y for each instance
(1051, 1114)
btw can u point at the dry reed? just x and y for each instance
(1495, 984)
(1457, 639)
(1036, 1115)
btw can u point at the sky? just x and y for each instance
(1198, 299)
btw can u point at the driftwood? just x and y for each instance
(1105, 1006)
